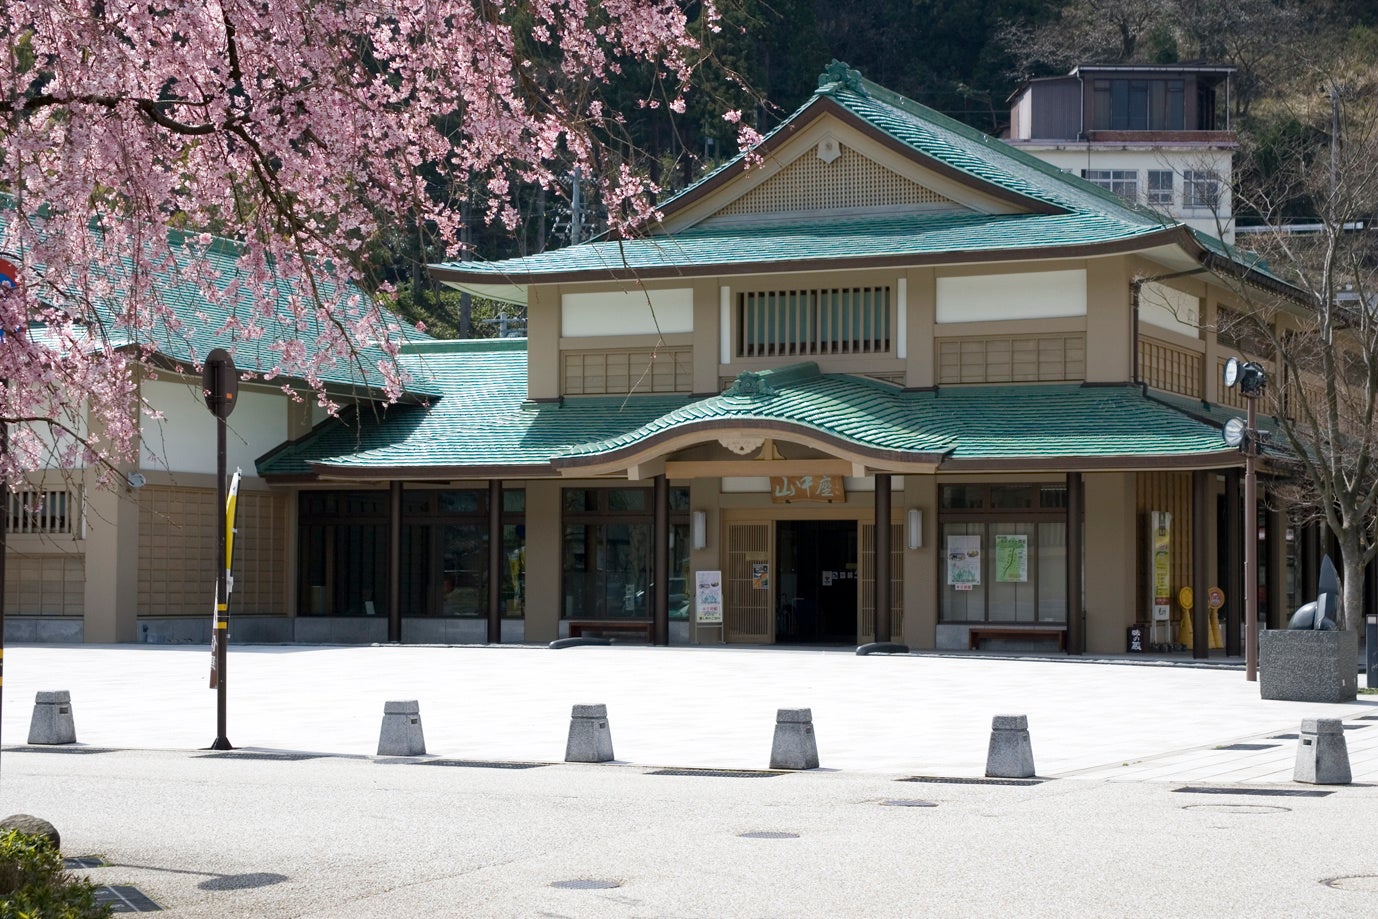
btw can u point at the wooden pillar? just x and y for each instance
(395, 561)
(1277, 613)
(1235, 534)
(1200, 561)
(660, 618)
(1076, 633)
(882, 558)
(495, 566)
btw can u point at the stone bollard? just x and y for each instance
(52, 719)
(1322, 755)
(590, 740)
(401, 733)
(1011, 754)
(795, 746)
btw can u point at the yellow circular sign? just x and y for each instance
(1215, 598)
(1185, 598)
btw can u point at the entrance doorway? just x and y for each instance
(817, 587)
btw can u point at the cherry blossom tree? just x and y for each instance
(137, 136)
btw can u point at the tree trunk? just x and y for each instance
(1352, 581)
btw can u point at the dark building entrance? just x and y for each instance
(816, 595)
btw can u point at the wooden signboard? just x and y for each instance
(788, 489)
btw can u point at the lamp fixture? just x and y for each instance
(913, 528)
(698, 529)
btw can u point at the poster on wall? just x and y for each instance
(963, 561)
(708, 597)
(760, 575)
(1011, 558)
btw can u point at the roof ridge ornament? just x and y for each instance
(751, 385)
(841, 73)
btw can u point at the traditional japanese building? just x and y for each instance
(887, 378)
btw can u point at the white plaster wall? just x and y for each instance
(184, 439)
(1168, 308)
(1024, 295)
(1073, 158)
(627, 312)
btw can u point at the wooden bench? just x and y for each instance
(643, 627)
(979, 632)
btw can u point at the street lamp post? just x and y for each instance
(1251, 380)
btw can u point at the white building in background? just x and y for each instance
(1156, 135)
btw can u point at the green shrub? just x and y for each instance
(34, 886)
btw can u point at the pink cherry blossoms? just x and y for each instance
(171, 172)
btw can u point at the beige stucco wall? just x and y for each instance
(921, 565)
(1110, 563)
(1109, 323)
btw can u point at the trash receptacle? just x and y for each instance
(1136, 640)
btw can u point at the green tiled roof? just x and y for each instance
(481, 421)
(203, 322)
(1068, 211)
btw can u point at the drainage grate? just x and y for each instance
(284, 757)
(1265, 792)
(1354, 727)
(477, 764)
(1367, 718)
(1249, 746)
(1283, 737)
(960, 780)
(59, 748)
(907, 802)
(84, 861)
(585, 884)
(126, 900)
(720, 773)
(768, 834)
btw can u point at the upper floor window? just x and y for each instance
(1123, 182)
(1137, 105)
(1160, 182)
(838, 320)
(1200, 188)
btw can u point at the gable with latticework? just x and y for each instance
(850, 181)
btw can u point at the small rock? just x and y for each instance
(34, 826)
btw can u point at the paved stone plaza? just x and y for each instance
(1146, 810)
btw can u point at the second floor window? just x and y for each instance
(1123, 182)
(837, 320)
(1137, 105)
(1160, 187)
(1200, 189)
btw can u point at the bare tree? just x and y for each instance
(1318, 193)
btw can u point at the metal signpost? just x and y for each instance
(221, 385)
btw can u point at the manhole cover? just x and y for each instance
(585, 884)
(284, 757)
(907, 802)
(768, 834)
(1262, 792)
(242, 881)
(1237, 808)
(83, 861)
(960, 780)
(1249, 746)
(477, 764)
(1362, 883)
(123, 899)
(719, 773)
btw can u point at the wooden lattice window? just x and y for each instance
(1169, 368)
(837, 320)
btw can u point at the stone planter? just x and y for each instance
(1302, 665)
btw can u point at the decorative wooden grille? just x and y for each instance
(838, 320)
(45, 585)
(866, 627)
(1035, 359)
(588, 373)
(850, 181)
(747, 617)
(1170, 368)
(45, 512)
(1166, 491)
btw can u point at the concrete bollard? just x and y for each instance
(1011, 754)
(401, 733)
(52, 719)
(590, 739)
(1322, 755)
(795, 746)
